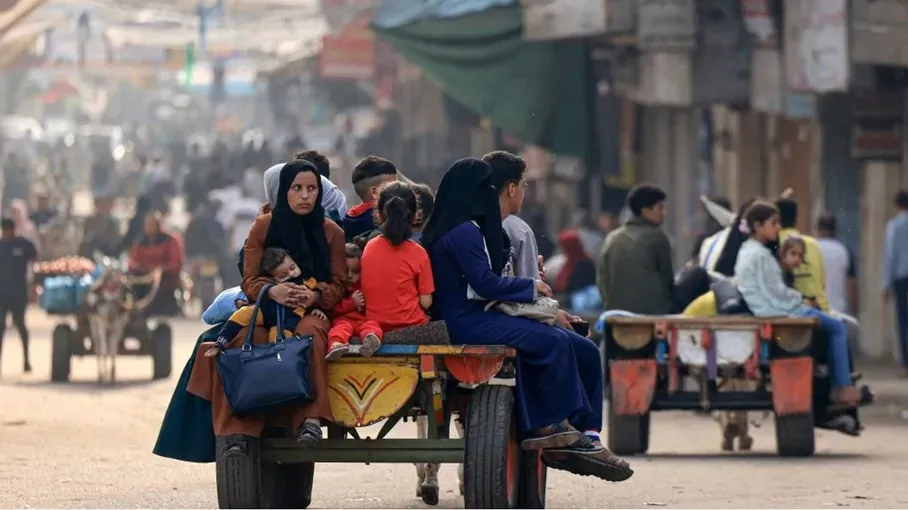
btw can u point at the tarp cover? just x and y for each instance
(539, 91)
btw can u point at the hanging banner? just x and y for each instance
(816, 45)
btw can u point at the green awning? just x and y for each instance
(539, 91)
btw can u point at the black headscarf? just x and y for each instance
(466, 193)
(303, 236)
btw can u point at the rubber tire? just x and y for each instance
(795, 435)
(532, 481)
(239, 479)
(487, 436)
(287, 485)
(162, 351)
(61, 353)
(627, 435)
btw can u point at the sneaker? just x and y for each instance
(371, 343)
(336, 350)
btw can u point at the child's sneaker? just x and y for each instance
(371, 343)
(336, 350)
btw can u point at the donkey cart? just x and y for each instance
(401, 381)
(109, 304)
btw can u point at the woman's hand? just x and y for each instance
(320, 314)
(212, 351)
(287, 294)
(566, 320)
(543, 288)
(541, 262)
(307, 295)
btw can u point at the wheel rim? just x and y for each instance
(512, 466)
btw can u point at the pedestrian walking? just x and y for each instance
(16, 256)
(895, 271)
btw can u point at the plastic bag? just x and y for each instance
(223, 306)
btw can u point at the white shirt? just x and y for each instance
(838, 264)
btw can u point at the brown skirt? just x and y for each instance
(205, 382)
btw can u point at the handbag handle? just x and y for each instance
(250, 335)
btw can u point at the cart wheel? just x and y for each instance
(491, 453)
(287, 485)
(238, 478)
(162, 345)
(533, 474)
(61, 353)
(795, 435)
(627, 435)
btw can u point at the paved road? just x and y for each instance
(83, 446)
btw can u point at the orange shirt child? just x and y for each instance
(393, 279)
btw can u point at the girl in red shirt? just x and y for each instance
(397, 279)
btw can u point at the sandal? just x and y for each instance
(556, 436)
(845, 398)
(336, 350)
(371, 344)
(310, 434)
(602, 463)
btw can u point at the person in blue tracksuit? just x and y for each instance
(556, 394)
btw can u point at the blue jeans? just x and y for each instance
(837, 351)
(589, 366)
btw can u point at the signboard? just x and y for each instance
(348, 56)
(816, 45)
(877, 126)
(760, 22)
(561, 19)
(666, 25)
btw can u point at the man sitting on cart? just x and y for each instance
(158, 249)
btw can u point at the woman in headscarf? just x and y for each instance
(579, 269)
(157, 249)
(333, 201)
(297, 224)
(559, 386)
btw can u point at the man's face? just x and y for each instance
(516, 192)
(655, 214)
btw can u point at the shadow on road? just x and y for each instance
(88, 386)
(752, 456)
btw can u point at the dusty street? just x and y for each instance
(81, 445)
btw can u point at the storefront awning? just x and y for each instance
(539, 91)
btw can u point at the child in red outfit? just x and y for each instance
(397, 276)
(349, 315)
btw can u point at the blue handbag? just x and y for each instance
(259, 378)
